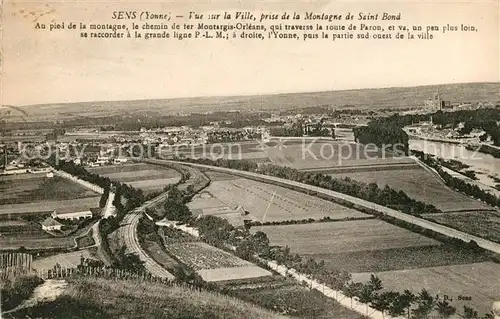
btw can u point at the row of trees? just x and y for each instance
(386, 196)
(456, 183)
(219, 232)
(485, 119)
(123, 193)
(384, 135)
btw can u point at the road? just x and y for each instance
(128, 234)
(360, 203)
(100, 251)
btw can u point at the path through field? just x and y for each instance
(48, 291)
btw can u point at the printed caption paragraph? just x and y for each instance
(256, 26)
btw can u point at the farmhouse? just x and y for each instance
(50, 224)
(72, 215)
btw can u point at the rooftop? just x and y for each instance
(49, 221)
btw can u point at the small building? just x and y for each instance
(72, 215)
(50, 224)
(120, 160)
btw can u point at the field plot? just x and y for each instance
(249, 150)
(324, 153)
(219, 176)
(398, 258)
(155, 251)
(35, 241)
(367, 246)
(29, 188)
(48, 206)
(266, 202)
(479, 281)
(31, 236)
(418, 184)
(214, 264)
(203, 256)
(481, 224)
(344, 236)
(147, 177)
(66, 260)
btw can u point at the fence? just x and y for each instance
(111, 274)
(21, 261)
(351, 303)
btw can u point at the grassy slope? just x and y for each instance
(15, 289)
(366, 98)
(101, 298)
(295, 300)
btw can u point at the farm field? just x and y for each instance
(265, 202)
(476, 280)
(147, 177)
(66, 260)
(343, 236)
(398, 258)
(48, 206)
(214, 264)
(39, 241)
(418, 184)
(29, 188)
(324, 153)
(219, 176)
(155, 251)
(31, 236)
(481, 224)
(297, 153)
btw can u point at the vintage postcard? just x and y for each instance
(250, 159)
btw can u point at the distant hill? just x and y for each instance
(398, 97)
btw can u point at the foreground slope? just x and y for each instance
(102, 298)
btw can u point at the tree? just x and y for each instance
(366, 296)
(398, 304)
(104, 197)
(381, 302)
(176, 211)
(406, 299)
(187, 275)
(352, 289)
(444, 309)
(469, 313)
(375, 283)
(129, 261)
(425, 305)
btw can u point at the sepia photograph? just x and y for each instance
(251, 159)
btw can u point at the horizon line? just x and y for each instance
(255, 94)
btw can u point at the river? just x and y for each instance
(484, 165)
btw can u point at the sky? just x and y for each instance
(58, 66)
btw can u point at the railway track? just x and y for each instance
(128, 227)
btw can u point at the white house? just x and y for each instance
(72, 215)
(50, 224)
